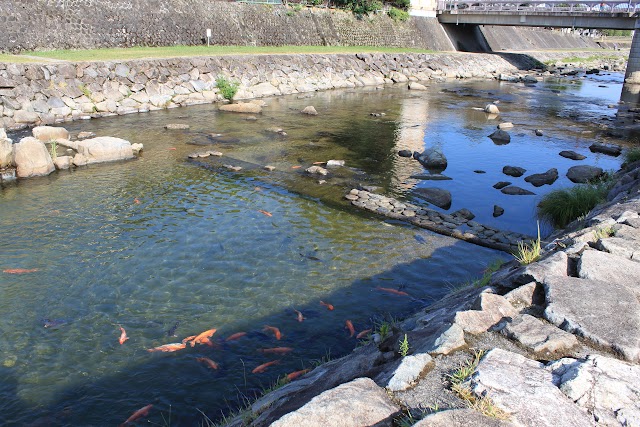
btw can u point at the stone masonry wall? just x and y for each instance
(84, 24)
(34, 94)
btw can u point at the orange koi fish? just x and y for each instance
(265, 212)
(319, 163)
(123, 336)
(300, 316)
(296, 167)
(236, 336)
(275, 331)
(257, 189)
(172, 148)
(260, 369)
(210, 363)
(203, 338)
(276, 350)
(136, 201)
(329, 306)
(187, 339)
(349, 326)
(363, 333)
(142, 412)
(168, 348)
(19, 270)
(393, 291)
(293, 375)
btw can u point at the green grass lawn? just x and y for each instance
(177, 51)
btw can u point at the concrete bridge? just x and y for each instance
(615, 15)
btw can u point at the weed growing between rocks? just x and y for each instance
(560, 207)
(529, 252)
(227, 88)
(632, 155)
(404, 346)
(54, 148)
(603, 232)
(464, 371)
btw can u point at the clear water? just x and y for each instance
(195, 249)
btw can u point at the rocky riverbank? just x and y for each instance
(552, 343)
(49, 93)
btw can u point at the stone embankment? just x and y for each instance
(45, 94)
(554, 343)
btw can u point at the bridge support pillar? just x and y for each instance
(633, 64)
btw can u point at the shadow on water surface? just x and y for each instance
(110, 399)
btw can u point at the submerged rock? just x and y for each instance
(317, 170)
(437, 196)
(513, 190)
(242, 107)
(500, 185)
(405, 153)
(176, 126)
(572, 155)
(497, 211)
(310, 110)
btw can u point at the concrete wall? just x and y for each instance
(525, 39)
(75, 24)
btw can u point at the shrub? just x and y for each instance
(402, 4)
(227, 88)
(632, 155)
(398, 15)
(364, 7)
(560, 207)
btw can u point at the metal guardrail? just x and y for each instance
(557, 7)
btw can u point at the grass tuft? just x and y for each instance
(632, 155)
(404, 346)
(603, 232)
(529, 252)
(560, 207)
(464, 371)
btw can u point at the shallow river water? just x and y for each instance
(163, 242)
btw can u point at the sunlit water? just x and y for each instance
(195, 249)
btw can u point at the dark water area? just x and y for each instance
(163, 241)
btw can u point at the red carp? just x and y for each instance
(329, 306)
(276, 350)
(350, 327)
(168, 348)
(210, 363)
(273, 329)
(236, 336)
(363, 333)
(142, 412)
(19, 270)
(203, 338)
(300, 316)
(123, 336)
(293, 375)
(265, 212)
(393, 291)
(260, 369)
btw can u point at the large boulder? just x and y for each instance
(32, 158)
(491, 109)
(105, 149)
(583, 173)
(242, 107)
(50, 133)
(432, 158)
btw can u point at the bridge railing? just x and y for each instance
(560, 7)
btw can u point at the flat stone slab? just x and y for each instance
(525, 390)
(597, 265)
(538, 336)
(514, 190)
(489, 310)
(606, 387)
(605, 313)
(572, 155)
(357, 403)
(461, 418)
(629, 249)
(410, 369)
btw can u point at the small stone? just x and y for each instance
(514, 171)
(500, 137)
(269, 168)
(491, 109)
(497, 211)
(505, 125)
(214, 153)
(405, 153)
(464, 213)
(479, 171)
(176, 126)
(513, 190)
(540, 179)
(417, 86)
(317, 170)
(137, 148)
(538, 132)
(85, 135)
(409, 372)
(609, 149)
(335, 163)
(310, 110)
(572, 155)
(500, 185)
(242, 107)
(232, 168)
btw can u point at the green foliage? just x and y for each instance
(632, 155)
(85, 90)
(616, 33)
(560, 207)
(464, 370)
(529, 252)
(398, 14)
(402, 4)
(54, 148)
(604, 232)
(486, 276)
(315, 2)
(363, 7)
(227, 88)
(404, 346)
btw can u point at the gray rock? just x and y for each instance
(417, 86)
(524, 296)
(437, 196)
(539, 337)
(431, 177)
(28, 117)
(500, 137)
(583, 173)
(513, 190)
(310, 110)
(433, 158)
(628, 249)
(357, 403)
(411, 368)
(443, 340)
(500, 185)
(605, 387)
(335, 163)
(105, 149)
(32, 158)
(580, 306)
(461, 418)
(572, 155)
(62, 162)
(609, 149)
(488, 310)
(49, 133)
(491, 109)
(317, 170)
(540, 179)
(538, 132)
(551, 264)
(176, 126)
(505, 125)
(85, 135)
(513, 171)
(525, 390)
(596, 265)
(405, 153)
(242, 107)
(6, 150)
(497, 211)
